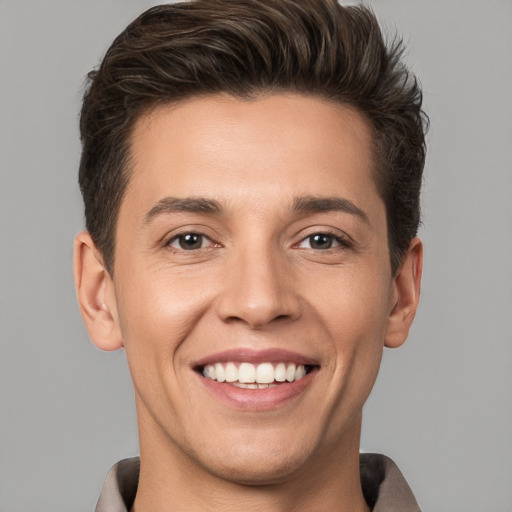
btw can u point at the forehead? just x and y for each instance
(285, 140)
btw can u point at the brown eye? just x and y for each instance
(320, 241)
(188, 241)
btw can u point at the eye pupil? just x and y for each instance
(320, 241)
(190, 241)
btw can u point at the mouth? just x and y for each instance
(256, 380)
(264, 375)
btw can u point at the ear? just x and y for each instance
(96, 295)
(405, 295)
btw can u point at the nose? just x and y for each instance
(259, 291)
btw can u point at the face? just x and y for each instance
(252, 287)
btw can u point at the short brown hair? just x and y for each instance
(246, 48)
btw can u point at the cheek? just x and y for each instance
(356, 320)
(356, 304)
(159, 313)
(358, 340)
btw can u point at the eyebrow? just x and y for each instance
(313, 204)
(187, 204)
(302, 204)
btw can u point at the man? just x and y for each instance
(251, 174)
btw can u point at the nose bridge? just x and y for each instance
(259, 289)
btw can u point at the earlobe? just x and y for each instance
(95, 294)
(407, 284)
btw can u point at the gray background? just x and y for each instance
(442, 406)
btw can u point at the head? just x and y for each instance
(248, 49)
(251, 174)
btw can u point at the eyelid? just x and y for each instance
(344, 240)
(336, 241)
(191, 231)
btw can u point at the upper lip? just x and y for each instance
(246, 355)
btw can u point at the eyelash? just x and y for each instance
(176, 238)
(342, 242)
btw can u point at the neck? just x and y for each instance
(171, 481)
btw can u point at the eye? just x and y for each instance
(320, 241)
(189, 241)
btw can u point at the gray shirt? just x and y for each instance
(384, 486)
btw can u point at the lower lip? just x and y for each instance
(257, 399)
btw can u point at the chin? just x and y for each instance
(263, 471)
(257, 464)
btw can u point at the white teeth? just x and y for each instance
(231, 372)
(265, 373)
(290, 373)
(220, 374)
(211, 372)
(246, 386)
(300, 372)
(280, 372)
(247, 375)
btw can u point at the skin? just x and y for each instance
(257, 282)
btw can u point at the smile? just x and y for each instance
(255, 376)
(256, 380)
